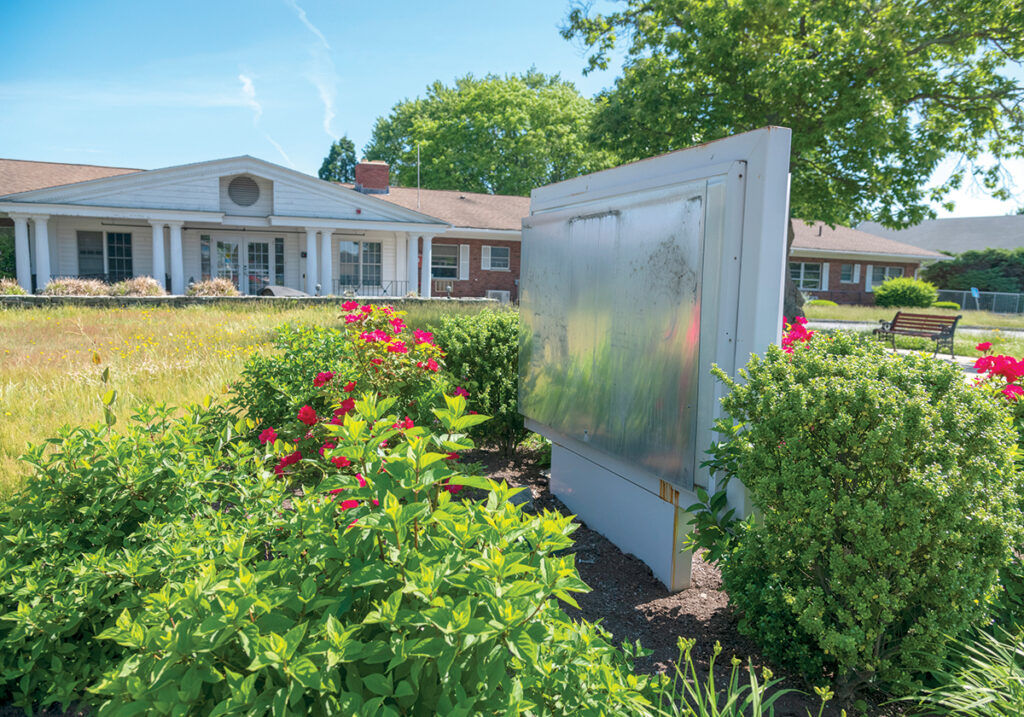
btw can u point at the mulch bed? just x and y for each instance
(633, 605)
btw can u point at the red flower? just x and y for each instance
(397, 325)
(984, 346)
(354, 318)
(347, 405)
(287, 461)
(1012, 391)
(423, 337)
(398, 347)
(269, 435)
(360, 480)
(368, 309)
(307, 415)
(341, 462)
(376, 361)
(460, 391)
(452, 457)
(453, 488)
(984, 363)
(429, 364)
(349, 387)
(326, 447)
(322, 378)
(350, 306)
(349, 504)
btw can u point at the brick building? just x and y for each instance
(844, 264)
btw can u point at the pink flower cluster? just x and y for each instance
(1000, 367)
(795, 331)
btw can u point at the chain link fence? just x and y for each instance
(998, 302)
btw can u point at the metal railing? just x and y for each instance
(385, 288)
(999, 302)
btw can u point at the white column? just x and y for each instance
(311, 273)
(177, 260)
(159, 264)
(42, 252)
(412, 259)
(425, 281)
(22, 259)
(326, 263)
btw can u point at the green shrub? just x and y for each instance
(212, 287)
(76, 287)
(10, 287)
(985, 269)
(906, 292)
(73, 553)
(482, 356)
(887, 501)
(138, 286)
(820, 302)
(946, 305)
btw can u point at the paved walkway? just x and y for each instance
(862, 325)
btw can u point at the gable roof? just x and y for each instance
(464, 210)
(24, 175)
(818, 237)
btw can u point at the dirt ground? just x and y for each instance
(633, 605)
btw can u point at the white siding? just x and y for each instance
(64, 243)
(294, 265)
(263, 207)
(196, 194)
(295, 200)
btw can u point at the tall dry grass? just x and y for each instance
(48, 377)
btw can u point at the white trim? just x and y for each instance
(867, 280)
(824, 276)
(463, 262)
(490, 258)
(361, 225)
(81, 210)
(485, 258)
(868, 256)
(471, 233)
(854, 279)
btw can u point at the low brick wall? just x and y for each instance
(109, 302)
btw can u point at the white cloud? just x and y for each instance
(249, 94)
(322, 73)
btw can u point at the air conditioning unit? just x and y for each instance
(502, 296)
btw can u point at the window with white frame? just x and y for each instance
(849, 274)
(879, 274)
(496, 258)
(444, 261)
(361, 264)
(805, 275)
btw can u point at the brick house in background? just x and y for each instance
(480, 254)
(844, 264)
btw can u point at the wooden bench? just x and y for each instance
(939, 329)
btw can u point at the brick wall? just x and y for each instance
(480, 280)
(851, 293)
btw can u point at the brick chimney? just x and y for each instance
(372, 177)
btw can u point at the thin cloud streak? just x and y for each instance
(249, 94)
(323, 74)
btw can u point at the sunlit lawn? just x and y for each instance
(49, 377)
(874, 314)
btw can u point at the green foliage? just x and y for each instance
(76, 547)
(984, 269)
(887, 502)
(340, 163)
(500, 135)
(906, 292)
(8, 266)
(820, 302)
(946, 305)
(876, 99)
(482, 357)
(982, 679)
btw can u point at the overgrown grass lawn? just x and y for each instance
(874, 314)
(49, 375)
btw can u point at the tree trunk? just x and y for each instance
(792, 299)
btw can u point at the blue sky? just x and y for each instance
(152, 84)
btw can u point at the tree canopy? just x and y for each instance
(501, 135)
(340, 163)
(877, 93)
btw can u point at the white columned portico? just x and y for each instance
(326, 263)
(312, 276)
(159, 264)
(412, 255)
(425, 282)
(22, 259)
(177, 260)
(42, 250)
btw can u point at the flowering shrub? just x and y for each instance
(138, 286)
(10, 287)
(212, 287)
(482, 357)
(76, 287)
(888, 500)
(323, 368)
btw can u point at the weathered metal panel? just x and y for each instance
(611, 315)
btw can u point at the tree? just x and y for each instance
(877, 92)
(340, 163)
(501, 135)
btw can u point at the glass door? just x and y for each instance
(258, 270)
(227, 262)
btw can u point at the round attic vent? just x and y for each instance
(244, 191)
